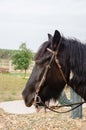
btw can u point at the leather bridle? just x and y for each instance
(37, 98)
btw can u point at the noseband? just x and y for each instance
(37, 99)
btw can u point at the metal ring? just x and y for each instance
(37, 99)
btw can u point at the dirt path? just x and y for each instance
(19, 117)
(40, 121)
(17, 107)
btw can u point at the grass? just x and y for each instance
(11, 86)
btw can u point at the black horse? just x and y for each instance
(71, 55)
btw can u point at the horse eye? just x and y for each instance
(42, 61)
(38, 65)
(38, 62)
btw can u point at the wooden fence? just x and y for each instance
(7, 66)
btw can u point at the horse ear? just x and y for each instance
(56, 39)
(50, 37)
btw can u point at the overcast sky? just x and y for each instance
(31, 20)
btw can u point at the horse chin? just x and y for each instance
(29, 104)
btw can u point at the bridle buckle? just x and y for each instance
(37, 99)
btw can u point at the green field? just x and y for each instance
(11, 86)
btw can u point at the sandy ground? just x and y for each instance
(41, 121)
(16, 116)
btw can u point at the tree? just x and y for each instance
(22, 58)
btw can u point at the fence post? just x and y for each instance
(10, 66)
(63, 100)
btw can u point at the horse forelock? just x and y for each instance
(42, 50)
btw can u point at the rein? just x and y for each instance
(52, 108)
(38, 99)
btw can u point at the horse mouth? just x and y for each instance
(29, 104)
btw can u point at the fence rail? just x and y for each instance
(7, 66)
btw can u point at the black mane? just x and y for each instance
(77, 64)
(76, 51)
